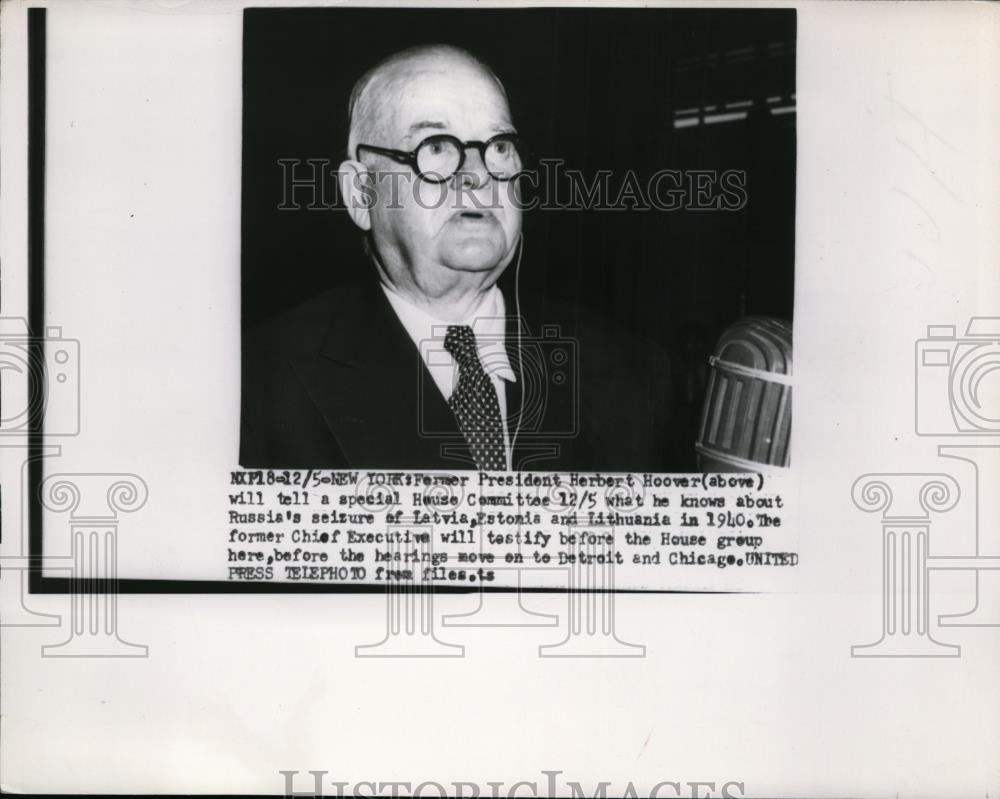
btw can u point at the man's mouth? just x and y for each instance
(474, 216)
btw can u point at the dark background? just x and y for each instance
(598, 88)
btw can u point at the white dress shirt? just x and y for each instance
(489, 325)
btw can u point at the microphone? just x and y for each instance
(747, 416)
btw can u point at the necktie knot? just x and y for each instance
(460, 342)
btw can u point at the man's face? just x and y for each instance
(469, 224)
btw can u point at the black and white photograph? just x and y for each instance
(499, 399)
(515, 238)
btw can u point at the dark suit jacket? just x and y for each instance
(338, 383)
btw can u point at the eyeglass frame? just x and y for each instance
(409, 158)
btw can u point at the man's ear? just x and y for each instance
(358, 190)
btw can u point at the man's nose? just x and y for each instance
(473, 173)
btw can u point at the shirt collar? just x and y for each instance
(488, 323)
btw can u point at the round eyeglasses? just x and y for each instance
(437, 158)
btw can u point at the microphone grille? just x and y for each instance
(747, 416)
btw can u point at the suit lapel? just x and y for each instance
(382, 406)
(373, 390)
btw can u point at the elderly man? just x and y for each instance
(426, 364)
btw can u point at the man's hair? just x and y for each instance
(363, 106)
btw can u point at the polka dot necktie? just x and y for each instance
(474, 401)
